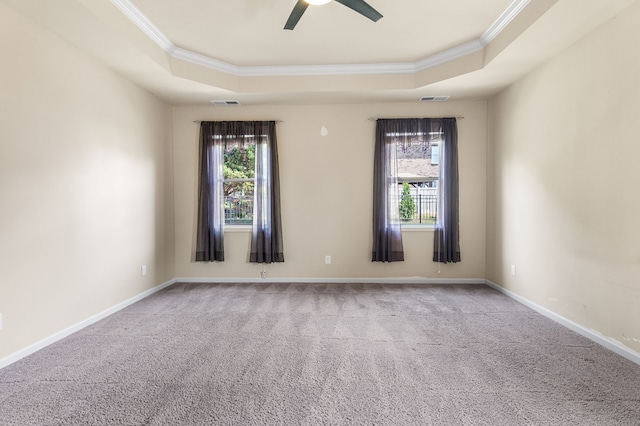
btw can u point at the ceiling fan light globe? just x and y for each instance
(317, 2)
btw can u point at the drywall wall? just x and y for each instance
(326, 190)
(563, 179)
(85, 186)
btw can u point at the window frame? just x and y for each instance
(236, 227)
(420, 139)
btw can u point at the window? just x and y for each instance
(406, 150)
(417, 157)
(239, 183)
(435, 152)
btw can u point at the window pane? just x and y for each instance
(239, 161)
(418, 180)
(435, 154)
(239, 177)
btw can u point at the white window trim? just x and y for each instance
(418, 228)
(237, 228)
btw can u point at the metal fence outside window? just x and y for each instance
(238, 210)
(426, 207)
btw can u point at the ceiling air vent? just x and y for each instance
(222, 103)
(434, 98)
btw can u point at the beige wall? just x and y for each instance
(563, 181)
(85, 186)
(88, 192)
(326, 189)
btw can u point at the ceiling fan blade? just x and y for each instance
(362, 8)
(296, 14)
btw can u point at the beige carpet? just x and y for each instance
(322, 354)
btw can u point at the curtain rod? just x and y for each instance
(458, 117)
(277, 121)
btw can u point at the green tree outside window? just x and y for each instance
(407, 205)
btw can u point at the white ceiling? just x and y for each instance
(250, 32)
(193, 51)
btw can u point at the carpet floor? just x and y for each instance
(322, 354)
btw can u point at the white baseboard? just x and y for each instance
(608, 343)
(79, 326)
(400, 280)
(596, 337)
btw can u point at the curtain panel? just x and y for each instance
(446, 240)
(210, 226)
(266, 235)
(387, 232)
(266, 232)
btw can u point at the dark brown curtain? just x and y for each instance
(446, 242)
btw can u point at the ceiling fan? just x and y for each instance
(359, 6)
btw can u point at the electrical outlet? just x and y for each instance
(143, 270)
(327, 260)
(513, 270)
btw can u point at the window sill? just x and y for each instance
(417, 228)
(237, 228)
(405, 228)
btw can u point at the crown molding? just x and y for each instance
(141, 21)
(289, 70)
(503, 20)
(449, 55)
(205, 61)
(154, 33)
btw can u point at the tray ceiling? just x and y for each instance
(193, 51)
